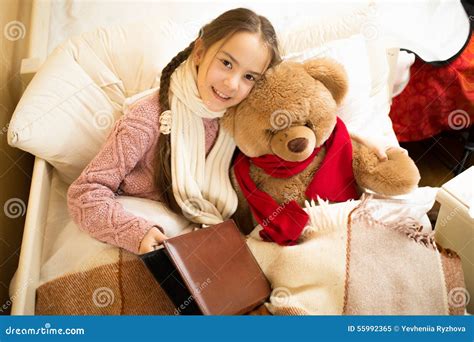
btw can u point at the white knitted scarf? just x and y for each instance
(201, 186)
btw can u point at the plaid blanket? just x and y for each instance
(362, 258)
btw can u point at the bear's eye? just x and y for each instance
(269, 132)
(309, 124)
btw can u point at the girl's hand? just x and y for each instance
(151, 240)
(379, 146)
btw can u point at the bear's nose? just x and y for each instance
(297, 145)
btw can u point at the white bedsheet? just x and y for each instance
(434, 30)
(72, 17)
(66, 248)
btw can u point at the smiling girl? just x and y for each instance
(169, 147)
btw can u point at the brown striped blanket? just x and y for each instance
(349, 261)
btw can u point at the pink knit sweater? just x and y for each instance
(123, 166)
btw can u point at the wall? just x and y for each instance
(15, 165)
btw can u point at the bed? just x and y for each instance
(89, 94)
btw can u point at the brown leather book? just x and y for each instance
(209, 271)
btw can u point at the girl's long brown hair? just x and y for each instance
(224, 26)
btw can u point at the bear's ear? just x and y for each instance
(331, 74)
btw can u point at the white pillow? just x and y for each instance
(69, 107)
(64, 115)
(362, 19)
(358, 109)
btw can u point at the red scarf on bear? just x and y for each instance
(333, 181)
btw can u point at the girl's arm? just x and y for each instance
(91, 197)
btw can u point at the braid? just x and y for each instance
(166, 75)
(163, 177)
(222, 27)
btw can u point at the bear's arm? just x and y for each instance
(395, 176)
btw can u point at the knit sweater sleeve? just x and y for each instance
(91, 197)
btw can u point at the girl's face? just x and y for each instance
(227, 71)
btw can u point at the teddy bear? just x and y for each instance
(293, 148)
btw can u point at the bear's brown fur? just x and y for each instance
(291, 111)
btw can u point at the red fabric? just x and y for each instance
(436, 98)
(280, 168)
(333, 181)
